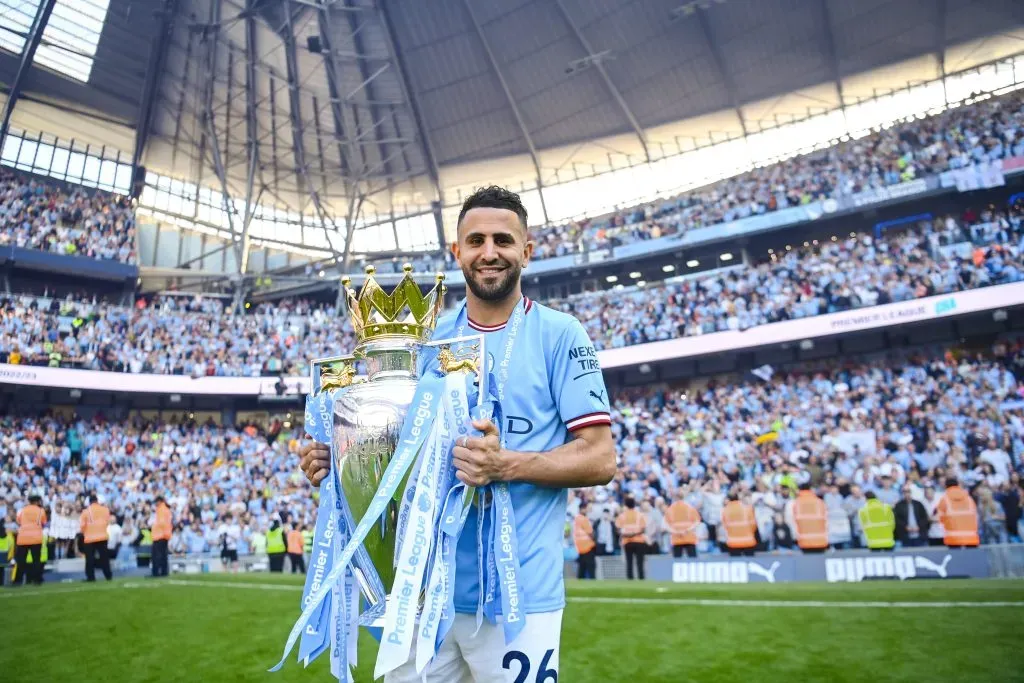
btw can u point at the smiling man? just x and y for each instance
(555, 436)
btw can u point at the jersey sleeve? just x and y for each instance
(577, 383)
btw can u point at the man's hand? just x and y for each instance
(315, 461)
(477, 459)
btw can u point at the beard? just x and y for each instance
(500, 287)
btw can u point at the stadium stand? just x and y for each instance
(50, 216)
(201, 337)
(957, 412)
(856, 272)
(984, 131)
(206, 472)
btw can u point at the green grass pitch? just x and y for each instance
(224, 628)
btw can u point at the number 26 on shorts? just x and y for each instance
(544, 674)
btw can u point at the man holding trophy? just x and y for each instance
(541, 426)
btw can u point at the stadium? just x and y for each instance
(775, 269)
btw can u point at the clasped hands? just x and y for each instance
(478, 459)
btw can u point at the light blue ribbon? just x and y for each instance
(415, 429)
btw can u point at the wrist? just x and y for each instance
(509, 465)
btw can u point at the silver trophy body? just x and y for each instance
(393, 332)
(368, 419)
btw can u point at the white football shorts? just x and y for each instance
(484, 658)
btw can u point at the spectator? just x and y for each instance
(912, 520)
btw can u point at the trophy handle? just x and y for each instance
(325, 373)
(482, 376)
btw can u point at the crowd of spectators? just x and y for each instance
(209, 475)
(897, 427)
(839, 275)
(205, 336)
(172, 335)
(38, 214)
(987, 130)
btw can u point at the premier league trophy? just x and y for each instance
(391, 511)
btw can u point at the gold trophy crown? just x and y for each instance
(406, 313)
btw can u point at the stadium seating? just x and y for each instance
(198, 337)
(987, 130)
(850, 273)
(206, 473)
(918, 420)
(933, 416)
(38, 214)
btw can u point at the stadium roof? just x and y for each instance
(392, 99)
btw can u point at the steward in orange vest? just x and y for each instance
(583, 536)
(632, 523)
(959, 516)
(161, 533)
(740, 527)
(93, 522)
(682, 520)
(31, 520)
(296, 545)
(811, 521)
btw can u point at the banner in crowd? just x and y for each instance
(847, 566)
(916, 310)
(877, 195)
(976, 177)
(863, 441)
(959, 250)
(98, 380)
(857, 320)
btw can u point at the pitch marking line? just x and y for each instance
(690, 602)
(698, 602)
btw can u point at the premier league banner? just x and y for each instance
(846, 566)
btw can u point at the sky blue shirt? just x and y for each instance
(554, 387)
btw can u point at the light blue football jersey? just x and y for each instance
(554, 386)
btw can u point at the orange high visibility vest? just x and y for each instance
(959, 517)
(162, 528)
(632, 524)
(31, 520)
(811, 520)
(740, 525)
(94, 521)
(682, 519)
(296, 543)
(583, 534)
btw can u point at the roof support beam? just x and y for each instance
(616, 94)
(298, 144)
(251, 133)
(409, 95)
(154, 75)
(331, 69)
(338, 114)
(512, 105)
(940, 43)
(831, 54)
(719, 60)
(28, 55)
(209, 126)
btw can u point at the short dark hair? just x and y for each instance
(35, 500)
(870, 495)
(93, 498)
(495, 197)
(951, 481)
